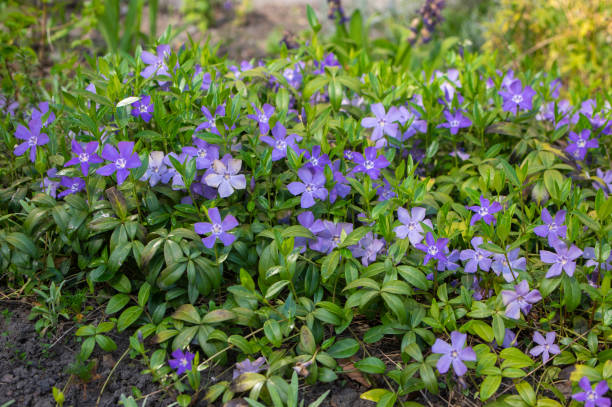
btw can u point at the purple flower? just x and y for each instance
(48, 185)
(454, 354)
(329, 60)
(552, 228)
(367, 248)
(143, 108)
(384, 191)
(156, 63)
(121, 161)
(329, 235)
(592, 260)
(383, 122)
(178, 182)
(606, 185)
(210, 124)
(455, 121)
(225, 177)
(294, 75)
(592, 397)
(281, 141)
(411, 224)
(370, 164)
(521, 299)
(477, 258)
(485, 211)
(434, 249)
(217, 228)
(341, 186)
(311, 187)
(181, 362)
(204, 153)
(244, 66)
(451, 262)
(516, 98)
(316, 160)
(262, 117)
(40, 111)
(509, 270)
(33, 138)
(563, 260)
(84, 156)
(73, 186)
(459, 153)
(509, 339)
(157, 169)
(308, 221)
(206, 77)
(246, 366)
(546, 346)
(581, 144)
(415, 124)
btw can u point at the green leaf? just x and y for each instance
(22, 243)
(307, 341)
(128, 317)
(116, 303)
(86, 330)
(374, 395)
(118, 256)
(371, 365)
(241, 343)
(106, 343)
(414, 277)
(481, 329)
(344, 348)
(247, 381)
(313, 21)
(429, 378)
(489, 386)
(330, 265)
(273, 332)
(143, 294)
(218, 315)
(187, 313)
(355, 236)
(513, 357)
(499, 330)
(588, 221)
(526, 392)
(276, 288)
(87, 347)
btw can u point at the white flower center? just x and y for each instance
(74, 187)
(310, 188)
(216, 229)
(263, 118)
(143, 108)
(432, 250)
(483, 211)
(369, 164)
(411, 226)
(382, 123)
(581, 143)
(120, 163)
(454, 123)
(552, 227)
(281, 145)
(83, 157)
(202, 153)
(314, 161)
(454, 354)
(517, 99)
(32, 141)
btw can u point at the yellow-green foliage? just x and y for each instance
(576, 35)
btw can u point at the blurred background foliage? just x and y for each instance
(573, 36)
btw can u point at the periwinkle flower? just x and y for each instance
(509, 339)
(516, 98)
(455, 353)
(477, 258)
(210, 123)
(177, 182)
(455, 121)
(143, 108)
(311, 187)
(206, 77)
(546, 346)
(581, 143)
(316, 160)
(224, 176)
(84, 156)
(367, 249)
(521, 299)
(157, 170)
(307, 220)
(205, 154)
(459, 153)
(329, 60)
(329, 235)
(281, 141)
(593, 261)
(509, 267)
(50, 185)
(217, 228)
(411, 224)
(120, 162)
(262, 117)
(42, 110)
(32, 136)
(384, 192)
(606, 182)
(450, 262)
(434, 249)
(72, 185)
(238, 71)
(341, 187)
(182, 361)
(383, 122)
(592, 397)
(485, 211)
(553, 229)
(415, 123)
(369, 163)
(562, 260)
(156, 64)
(246, 366)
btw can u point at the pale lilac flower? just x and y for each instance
(563, 260)
(33, 137)
(434, 249)
(329, 60)
(593, 261)
(341, 187)
(84, 156)
(308, 221)
(143, 108)
(262, 117)
(516, 98)
(450, 262)
(246, 366)
(217, 228)
(157, 170)
(238, 71)
(72, 185)
(462, 155)
(552, 228)
(156, 64)
(455, 121)
(592, 397)
(606, 186)
(224, 176)
(521, 299)
(205, 154)
(581, 143)
(367, 248)
(477, 258)
(369, 163)
(415, 123)
(281, 141)
(49, 185)
(545, 347)
(485, 211)
(383, 122)
(177, 182)
(210, 123)
(411, 224)
(329, 235)
(316, 160)
(206, 77)
(509, 339)
(181, 362)
(120, 162)
(311, 187)
(455, 353)
(509, 271)
(42, 110)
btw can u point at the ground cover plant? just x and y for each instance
(423, 221)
